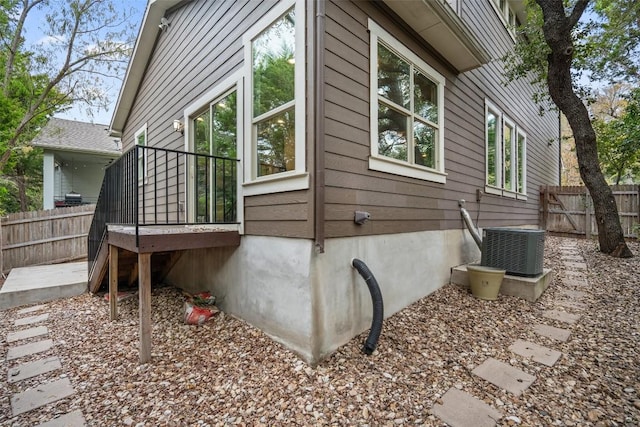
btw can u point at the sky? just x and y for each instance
(34, 36)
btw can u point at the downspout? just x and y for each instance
(378, 307)
(319, 179)
(469, 223)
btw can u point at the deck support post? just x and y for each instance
(113, 282)
(144, 292)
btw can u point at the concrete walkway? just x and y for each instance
(461, 409)
(30, 285)
(30, 324)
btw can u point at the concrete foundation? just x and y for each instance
(528, 288)
(28, 285)
(315, 302)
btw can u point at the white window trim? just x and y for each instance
(524, 161)
(235, 81)
(297, 179)
(503, 18)
(500, 190)
(387, 164)
(507, 122)
(145, 155)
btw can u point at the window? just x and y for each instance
(407, 113)
(141, 140)
(275, 66)
(214, 130)
(215, 134)
(506, 154)
(507, 13)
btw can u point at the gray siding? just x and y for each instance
(400, 204)
(201, 47)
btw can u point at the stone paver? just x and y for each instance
(27, 349)
(573, 294)
(575, 281)
(576, 265)
(504, 376)
(72, 419)
(562, 316)
(552, 332)
(580, 274)
(40, 395)
(31, 309)
(27, 333)
(567, 303)
(31, 319)
(538, 353)
(460, 409)
(32, 369)
(572, 258)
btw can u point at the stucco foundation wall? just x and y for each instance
(407, 266)
(265, 281)
(315, 302)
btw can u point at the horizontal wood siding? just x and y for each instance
(400, 204)
(202, 47)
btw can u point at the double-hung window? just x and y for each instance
(506, 151)
(407, 112)
(275, 67)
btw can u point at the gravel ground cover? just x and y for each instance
(229, 373)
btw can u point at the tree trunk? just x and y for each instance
(557, 31)
(22, 192)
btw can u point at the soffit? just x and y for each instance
(440, 26)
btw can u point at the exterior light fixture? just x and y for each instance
(178, 126)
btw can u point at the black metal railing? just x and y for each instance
(149, 186)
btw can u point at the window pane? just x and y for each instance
(393, 77)
(425, 144)
(202, 133)
(276, 144)
(507, 137)
(392, 133)
(426, 97)
(224, 126)
(274, 65)
(521, 165)
(492, 145)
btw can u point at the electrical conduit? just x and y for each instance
(378, 308)
(472, 229)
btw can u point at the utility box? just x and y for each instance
(518, 251)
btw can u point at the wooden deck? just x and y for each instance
(127, 257)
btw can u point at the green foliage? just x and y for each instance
(615, 41)
(88, 41)
(619, 142)
(529, 56)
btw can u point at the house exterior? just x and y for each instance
(396, 109)
(75, 155)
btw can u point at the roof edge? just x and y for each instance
(138, 63)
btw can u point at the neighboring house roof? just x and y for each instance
(70, 135)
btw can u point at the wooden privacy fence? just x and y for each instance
(44, 237)
(570, 209)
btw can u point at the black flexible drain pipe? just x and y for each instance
(378, 308)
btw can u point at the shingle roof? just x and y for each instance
(71, 135)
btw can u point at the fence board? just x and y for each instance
(570, 209)
(44, 237)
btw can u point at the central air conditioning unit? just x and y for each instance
(518, 251)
